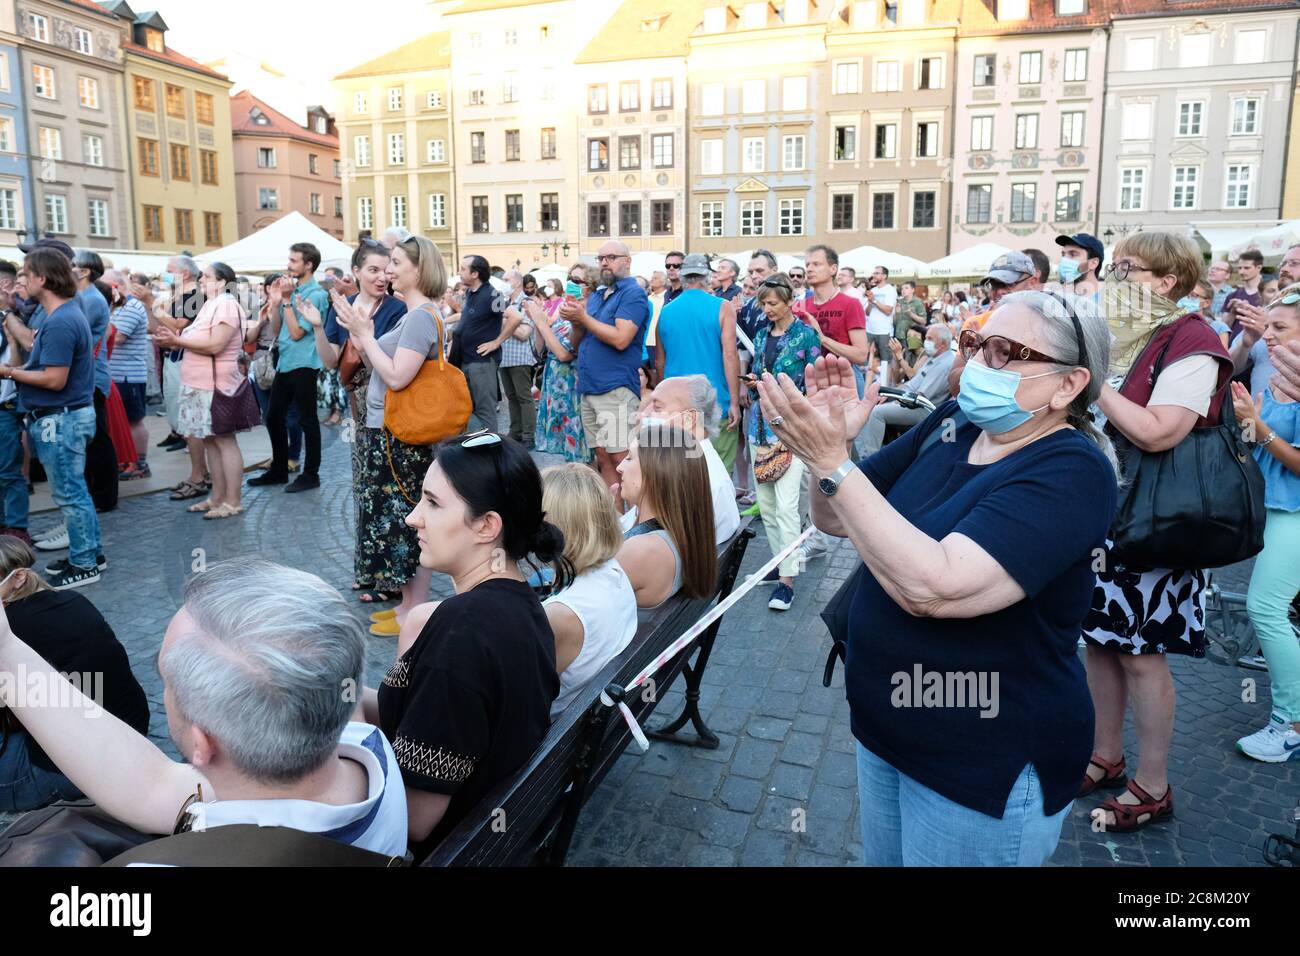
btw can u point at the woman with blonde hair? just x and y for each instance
(594, 618)
(671, 548)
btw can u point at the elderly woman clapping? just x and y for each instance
(977, 529)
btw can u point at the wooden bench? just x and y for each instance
(530, 818)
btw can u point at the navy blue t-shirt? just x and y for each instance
(480, 322)
(603, 368)
(1042, 513)
(390, 310)
(63, 339)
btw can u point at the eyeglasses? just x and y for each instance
(796, 275)
(773, 281)
(672, 265)
(999, 350)
(1291, 298)
(612, 258)
(1122, 268)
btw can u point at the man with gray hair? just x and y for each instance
(725, 285)
(262, 671)
(928, 377)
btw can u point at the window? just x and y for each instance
(147, 150)
(153, 231)
(753, 155)
(1031, 67)
(598, 219)
(1132, 189)
(792, 152)
(1245, 117)
(515, 212)
(476, 40)
(711, 157)
(1140, 53)
(1250, 46)
(184, 226)
(661, 217)
(1027, 131)
(1195, 50)
(476, 95)
(794, 93)
(397, 212)
(478, 208)
(886, 141)
(1072, 129)
(661, 96)
(985, 64)
(629, 219)
(144, 95)
(629, 97)
(360, 104)
(846, 142)
(338, 207)
(661, 150)
(710, 219)
(927, 140)
(266, 157)
(1069, 202)
(1013, 9)
(512, 146)
(510, 88)
(8, 209)
(598, 99)
(931, 73)
(396, 149)
(338, 169)
(597, 155)
(511, 37)
(43, 82)
(366, 213)
(433, 100)
(40, 28)
(1190, 116)
(477, 147)
(981, 132)
(1187, 181)
(923, 208)
(314, 204)
(394, 98)
(979, 203)
(85, 42)
(1024, 197)
(6, 135)
(208, 167)
(790, 221)
(550, 203)
(1136, 121)
(204, 109)
(175, 96)
(751, 217)
(712, 98)
(313, 164)
(629, 152)
(438, 210)
(51, 141)
(847, 77)
(753, 96)
(882, 210)
(268, 198)
(1238, 191)
(1071, 8)
(361, 149)
(212, 228)
(93, 149)
(88, 92)
(887, 76)
(842, 210)
(1076, 66)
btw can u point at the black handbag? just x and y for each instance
(1197, 505)
(236, 412)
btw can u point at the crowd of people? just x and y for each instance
(677, 402)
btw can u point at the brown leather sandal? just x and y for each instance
(1127, 814)
(1112, 776)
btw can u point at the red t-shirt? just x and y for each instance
(837, 316)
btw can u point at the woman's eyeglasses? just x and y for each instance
(1122, 268)
(999, 350)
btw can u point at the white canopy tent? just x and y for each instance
(127, 260)
(966, 264)
(863, 259)
(552, 270)
(267, 250)
(785, 261)
(1273, 243)
(1222, 239)
(645, 264)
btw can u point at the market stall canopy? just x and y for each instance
(267, 250)
(970, 263)
(645, 264)
(1272, 242)
(128, 260)
(864, 259)
(1223, 239)
(785, 261)
(551, 270)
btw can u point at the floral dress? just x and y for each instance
(559, 419)
(795, 350)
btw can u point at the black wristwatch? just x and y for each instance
(831, 484)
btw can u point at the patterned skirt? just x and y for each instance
(1141, 610)
(194, 412)
(388, 552)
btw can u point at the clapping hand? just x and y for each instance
(1252, 319)
(1246, 409)
(817, 428)
(358, 325)
(307, 311)
(1286, 359)
(166, 338)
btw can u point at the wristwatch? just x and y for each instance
(831, 484)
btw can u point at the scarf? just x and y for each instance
(1134, 313)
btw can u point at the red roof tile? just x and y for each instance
(243, 124)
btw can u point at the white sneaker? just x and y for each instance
(53, 532)
(1276, 743)
(56, 543)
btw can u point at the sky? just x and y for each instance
(311, 42)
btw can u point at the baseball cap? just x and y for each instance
(1085, 241)
(1010, 268)
(47, 243)
(696, 265)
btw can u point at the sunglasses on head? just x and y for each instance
(1291, 298)
(481, 439)
(773, 281)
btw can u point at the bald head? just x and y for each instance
(615, 262)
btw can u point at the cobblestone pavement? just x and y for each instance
(786, 745)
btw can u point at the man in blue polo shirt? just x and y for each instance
(609, 329)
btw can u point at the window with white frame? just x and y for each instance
(794, 93)
(316, 204)
(979, 203)
(792, 153)
(85, 42)
(365, 213)
(1013, 9)
(477, 95)
(629, 96)
(268, 197)
(753, 154)
(888, 73)
(476, 40)
(1187, 185)
(886, 145)
(1069, 202)
(88, 92)
(883, 210)
(1237, 193)
(56, 214)
(43, 82)
(1140, 53)
(661, 150)
(847, 77)
(1250, 46)
(396, 149)
(51, 141)
(845, 143)
(97, 212)
(1195, 50)
(8, 209)
(1031, 67)
(546, 85)
(985, 70)
(929, 73)
(1191, 117)
(927, 139)
(6, 135)
(924, 203)
(510, 88)
(791, 217)
(438, 210)
(661, 95)
(843, 211)
(1076, 66)
(40, 28)
(1072, 125)
(360, 104)
(433, 100)
(753, 96)
(751, 217)
(1024, 201)
(1135, 122)
(981, 132)
(361, 150)
(1071, 8)
(397, 212)
(511, 37)
(1027, 131)
(395, 98)
(93, 147)
(711, 157)
(710, 219)
(1245, 116)
(4, 72)
(1132, 189)
(436, 151)
(712, 99)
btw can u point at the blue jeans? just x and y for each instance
(13, 483)
(291, 421)
(907, 824)
(25, 786)
(60, 443)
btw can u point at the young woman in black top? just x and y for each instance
(468, 699)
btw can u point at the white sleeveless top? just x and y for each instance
(605, 603)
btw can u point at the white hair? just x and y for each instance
(704, 399)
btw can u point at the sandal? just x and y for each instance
(1127, 814)
(363, 585)
(1112, 776)
(223, 511)
(376, 597)
(387, 628)
(201, 507)
(186, 490)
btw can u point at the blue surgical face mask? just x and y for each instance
(988, 397)
(1190, 303)
(1068, 270)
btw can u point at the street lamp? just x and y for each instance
(547, 248)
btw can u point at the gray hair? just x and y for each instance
(944, 332)
(399, 233)
(1060, 339)
(188, 265)
(730, 264)
(704, 399)
(695, 281)
(272, 668)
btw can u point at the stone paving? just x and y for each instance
(786, 756)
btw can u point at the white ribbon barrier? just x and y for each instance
(694, 631)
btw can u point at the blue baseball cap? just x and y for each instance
(1088, 243)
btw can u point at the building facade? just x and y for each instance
(397, 138)
(282, 166)
(72, 60)
(1027, 139)
(183, 165)
(757, 134)
(17, 206)
(1198, 113)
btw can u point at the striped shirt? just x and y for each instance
(128, 362)
(513, 351)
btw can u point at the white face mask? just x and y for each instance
(930, 347)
